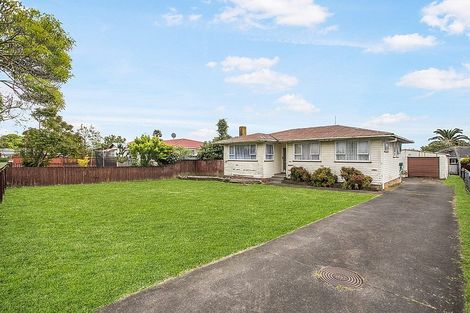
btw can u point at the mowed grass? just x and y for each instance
(462, 206)
(78, 247)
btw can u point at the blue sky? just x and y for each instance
(179, 66)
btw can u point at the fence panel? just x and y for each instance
(466, 178)
(3, 181)
(42, 176)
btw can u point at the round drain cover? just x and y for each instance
(340, 277)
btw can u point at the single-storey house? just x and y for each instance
(192, 145)
(375, 153)
(455, 154)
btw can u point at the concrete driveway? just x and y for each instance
(404, 245)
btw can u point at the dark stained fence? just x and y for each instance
(3, 181)
(42, 176)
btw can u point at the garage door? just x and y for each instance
(423, 167)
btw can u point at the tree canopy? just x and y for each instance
(34, 60)
(446, 138)
(211, 150)
(53, 138)
(145, 149)
(11, 141)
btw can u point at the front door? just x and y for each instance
(284, 160)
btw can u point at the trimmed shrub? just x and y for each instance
(354, 179)
(323, 177)
(465, 163)
(300, 174)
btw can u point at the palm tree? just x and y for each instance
(450, 137)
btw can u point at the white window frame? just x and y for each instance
(313, 157)
(252, 153)
(269, 156)
(357, 159)
(453, 161)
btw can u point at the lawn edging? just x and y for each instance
(462, 211)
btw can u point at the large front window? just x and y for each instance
(307, 151)
(242, 152)
(352, 150)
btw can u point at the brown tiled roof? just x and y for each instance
(185, 143)
(316, 133)
(327, 132)
(257, 137)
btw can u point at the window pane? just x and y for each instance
(351, 150)
(296, 149)
(340, 147)
(315, 148)
(363, 147)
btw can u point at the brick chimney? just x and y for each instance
(242, 131)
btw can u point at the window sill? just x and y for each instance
(306, 160)
(352, 161)
(231, 160)
(268, 160)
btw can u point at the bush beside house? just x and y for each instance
(324, 177)
(354, 179)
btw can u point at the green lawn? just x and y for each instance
(462, 205)
(78, 247)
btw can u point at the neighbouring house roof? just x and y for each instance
(257, 137)
(185, 143)
(457, 151)
(317, 133)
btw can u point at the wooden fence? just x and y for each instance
(3, 181)
(42, 176)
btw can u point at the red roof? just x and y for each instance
(185, 143)
(315, 133)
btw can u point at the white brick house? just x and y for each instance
(375, 153)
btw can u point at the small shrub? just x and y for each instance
(83, 162)
(323, 177)
(465, 163)
(354, 179)
(300, 174)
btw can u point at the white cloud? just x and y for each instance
(245, 64)
(173, 18)
(194, 17)
(435, 79)
(282, 12)
(328, 29)
(390, 118)
(296, 103)
(451, 16)
(211, 64)
(203, 133)
(268, 79)
(403, 43)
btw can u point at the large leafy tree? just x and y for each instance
(34, 60)
(11, 141)
(146, 149)
(54, 137)
(211, 150)
(91, 138)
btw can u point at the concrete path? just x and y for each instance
(404, 244)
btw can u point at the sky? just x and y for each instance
(179, 66)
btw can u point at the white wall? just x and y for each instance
(275, 166)
(372, 168)
(443, 160)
